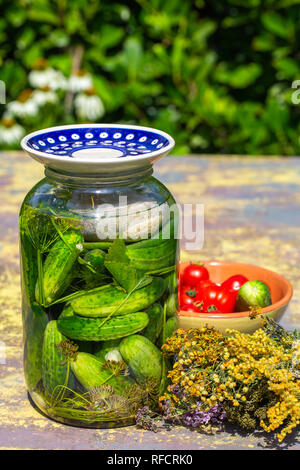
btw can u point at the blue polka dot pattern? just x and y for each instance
(130, 141)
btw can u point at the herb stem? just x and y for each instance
(123, 301)
(79, 294)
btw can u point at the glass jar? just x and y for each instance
(98, 260)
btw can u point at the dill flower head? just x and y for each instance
(102, 392)
(121, 405)
(116, 367)
(69, 349)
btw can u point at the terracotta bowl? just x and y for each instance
(219, 271)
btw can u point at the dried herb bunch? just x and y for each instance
(253, 379)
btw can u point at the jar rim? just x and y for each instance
(86, 179)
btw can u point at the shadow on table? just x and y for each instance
(36, 408)
(267, 441)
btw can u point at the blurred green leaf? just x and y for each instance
(288, 68)
(216, 75)
(132, 57)
(264, 42)
(109, 36)
(278, 24)
(42, 12)
(240, 77)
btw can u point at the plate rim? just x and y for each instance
(132, 158)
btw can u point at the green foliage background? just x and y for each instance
(216, 74)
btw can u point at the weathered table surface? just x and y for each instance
(252, 214)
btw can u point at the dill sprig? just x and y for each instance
(101, 403)
(44, 230)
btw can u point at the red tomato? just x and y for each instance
(187, 294)
(234, 283)
(190, 308)
(185, 298)
(222, 299)
(200, 287)
(202, 284)
(194, 273)
(189, 290)
(210, 296)
(226, 301)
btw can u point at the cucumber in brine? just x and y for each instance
(58, 270)
(35, 321)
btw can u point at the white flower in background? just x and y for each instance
(44, 76)
(10, 131)
(44, 96)
(89, 106)
(24, 106)
(50, 78)
(80, 81)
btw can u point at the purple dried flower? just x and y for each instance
(166, 408)
(145, 418)
(175, 389)
(168, 413)
(196, 417)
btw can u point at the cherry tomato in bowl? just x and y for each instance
(200, 288)
(185, 299)
(234, 283)
(190, 308)
(187, 294)
(194, 273)
(218, 297)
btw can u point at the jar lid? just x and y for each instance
(97, 148)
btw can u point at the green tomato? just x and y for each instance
(253, 294)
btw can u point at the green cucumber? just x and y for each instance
(97, 245)
(143, 358)
(156, 319)
(93, 271)
(97, 329)
(101, 349)
(171, 326)
(172, 305)
(95, 258)
(35, 322)
(89, 372)
(105, 302)
(28, 266)
(59, 265)
(148, 258)
(171, 282)
(54, 363)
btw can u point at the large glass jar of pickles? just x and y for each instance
(98, 259)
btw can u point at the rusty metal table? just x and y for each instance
(252, 214)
